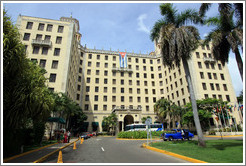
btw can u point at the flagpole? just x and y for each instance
(228, 119)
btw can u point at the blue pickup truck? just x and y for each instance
(177, 134)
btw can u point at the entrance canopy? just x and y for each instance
(56, 119)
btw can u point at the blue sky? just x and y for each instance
(123, 26)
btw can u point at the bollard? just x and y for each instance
(74, 145)
(81, 141)
(60, 157)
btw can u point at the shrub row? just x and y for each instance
(138, 134)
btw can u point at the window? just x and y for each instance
(129, 60)
(54, 64)
(97, 72)
(104, 107)
(145, 75)
(222, 76)
(80, 70)
(137, 75)
(39, 37)
(45, 50)
(209, 76)
(96, 89)
(130, 74)
(153, 91)
(203, 47)
(114, 81)
(114, 58)
(207, 65)
(130, 99)
(161, 83)
(219, 66)
(86, 107)
(151, 69)
(122, 74)
(137, 67)
(215, 76)
(152, 76)
(34, 61)
(52, 77)
(153, 83)
(42, 63)
(151, 61)
(35, 50)
(204, 86)
(212, 86)
(197, 55)
(208, 48)
(58, 40)
(96, 98)
(158, 61)
(88, 80)
(138, 82)
(212, 66)
(105, 81)
(182, 91)
(177, 93)
(79, 78)
(146, 99)
(130, 90)
(202, 75)
(225, 87)
(139, 99)
(144, 68)
(80, 62)
(204, 55)
(200, 65)
(162, 91)
(122, 98)
(113, 98)
(176, 84)
(130, 82)
(154, 99)
(49, 27)
(40, 26)
(106, 65)
(136, 60)
(57, 51)
(87, 89)
(26, 36)
(105, 98)
(228, 98)
(217, 86)
(105, 73)
(95, 107)
(89, 64)
(114, 73)
(98, 64)
(122, 90)
(206, 96)
(106, 57)
(29, 25)
(60, 29)
(220, 97)
(47, 37)
(160, 75)
(98, 57)
(89, 56)
(97, 80)
(146, 91)
(114, 90)
(214, 96)
(78, 87)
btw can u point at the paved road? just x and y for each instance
(111, 150)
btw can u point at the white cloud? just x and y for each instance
(141, 26)
(205, 34)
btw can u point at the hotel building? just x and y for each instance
(96, 80)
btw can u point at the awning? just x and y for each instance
(96, 124)
(56, 119)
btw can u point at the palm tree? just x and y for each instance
(228, 34)
(177, 43)
(162, 108)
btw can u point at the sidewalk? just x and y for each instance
(38, 153)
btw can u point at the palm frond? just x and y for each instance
(169, 12)
(204, 8)
(155, 32)
(188, 16)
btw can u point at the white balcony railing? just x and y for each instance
(208, 59)
(41, 42)
(119, 69)
(126, 108)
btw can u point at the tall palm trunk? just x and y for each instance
(201, 141)
(239, 62)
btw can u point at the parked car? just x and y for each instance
(84, 135)
(177, 134)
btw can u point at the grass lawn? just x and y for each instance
(216, 151)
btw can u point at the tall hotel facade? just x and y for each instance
(96, 80)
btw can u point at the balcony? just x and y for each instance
(41, 42)
(127, 108)
(119, 69)
(209, 60)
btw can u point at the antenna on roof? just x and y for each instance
(71, 14)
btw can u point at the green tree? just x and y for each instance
(143, 119)
(110, 122)
(227, 34)
(162, 108)
(177, 43)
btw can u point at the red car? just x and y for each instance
(89, 134)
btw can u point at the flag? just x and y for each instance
(123, 59)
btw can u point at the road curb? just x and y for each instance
(48, 155)
(173, 154)
(224, 136)
(25, 153)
